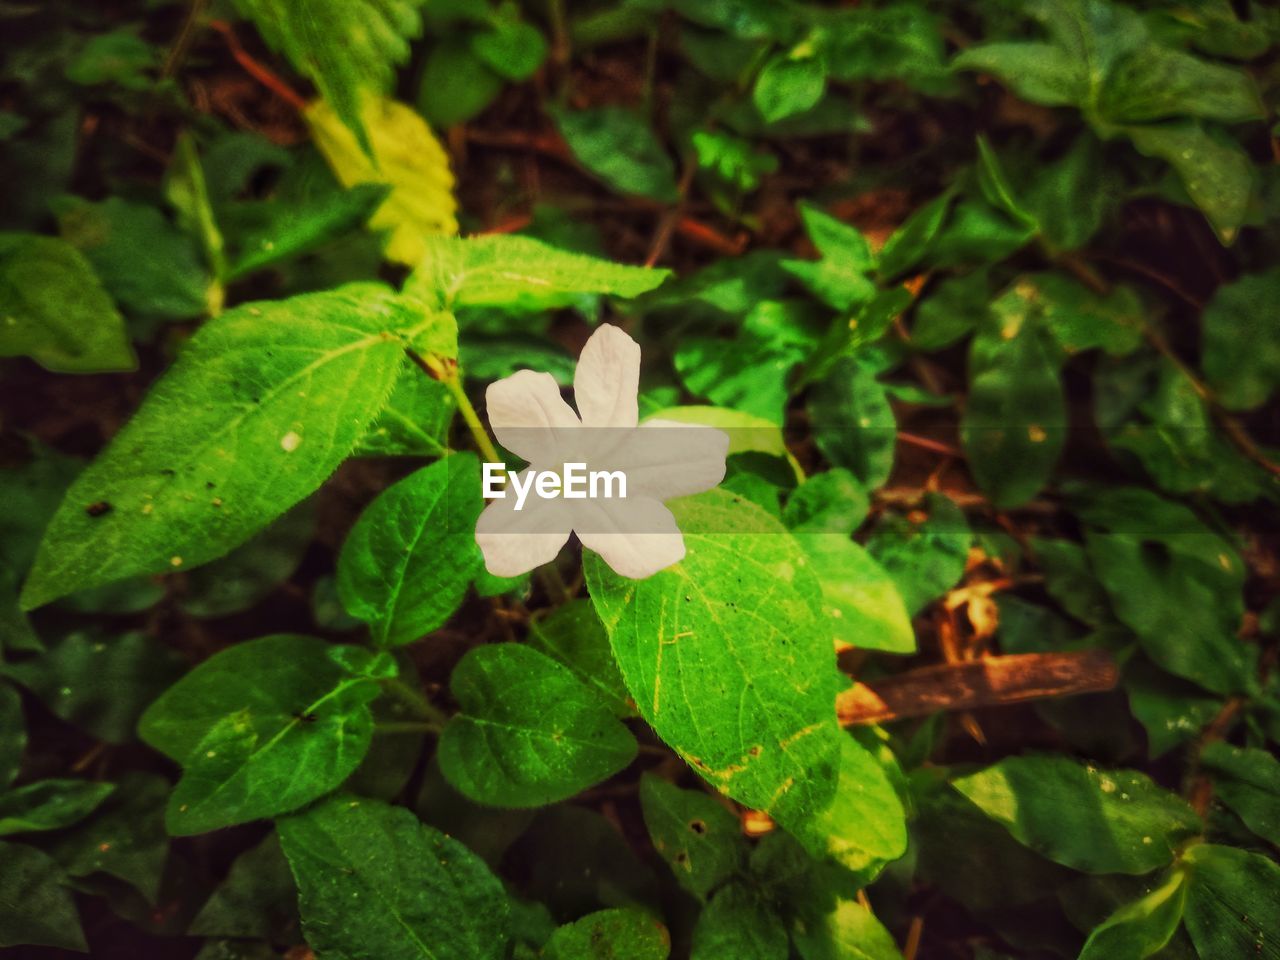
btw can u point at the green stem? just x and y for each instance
(453, 383)
(406, 726)
(426, 711)
(447, 373)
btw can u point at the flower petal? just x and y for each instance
(607, 379)
(665, 458)
(528, 415)
(637, 537)
(515, 541)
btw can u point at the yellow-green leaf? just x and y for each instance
(405, 155)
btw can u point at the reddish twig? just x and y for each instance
(711, 238)
(667, 223)
(545, 143)
(510, 225)
(1200, 787)
(1155, 275)
(256, 70)
(924, 443)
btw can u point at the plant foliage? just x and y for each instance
(974, 652)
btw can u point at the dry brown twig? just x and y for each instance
(971, 684)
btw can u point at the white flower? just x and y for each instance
(636, 535)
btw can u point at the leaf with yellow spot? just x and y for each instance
(406, 156)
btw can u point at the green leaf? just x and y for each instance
(725, 657)
(421, 895)
(619, 934)
(1040, 72)
(511, 48)
(399, 736)
(902, 41)
(1104, 61)
(909, 244)
(147, 264)
(31, 492)
(35, 908)
(253, 570)
(124, 838)
(973, 859)
(486, 360)
(699, 839)
(1142, 927)
(1147, 406)
(1232, 910)
(54, 310)
(790, 83)
(573, 635)
(456, 84)
(285, 229)
(859, 597)
(995, 186)
(977, 233)
(16, 632)
(407, 562)
(829, 502)
(264, 727)
(1248, 781)
(848, 932)
(621, 149)
(751, 373)
(118, 57)
(853, 424)
(1217, 174)
(402, 153)
(840, 278)
(739, 923)
(1158, 82)
(579, 861)
(1014, 423)
(1069, 197)
(926, 558)
(414, 422)
(1172, 711)
(100, 684)
(863, 826)
(50, 804)
(264, 402)
(123, 596)
(518, 273)
(745, 375)
(529, 733)
(1091, 820)
(348, 48)
(747, 433)
(735, 160)
(1184, 607)
(951, 311)
(1242, 340)
(13, 735)
(1076, 317)
(257, 899)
